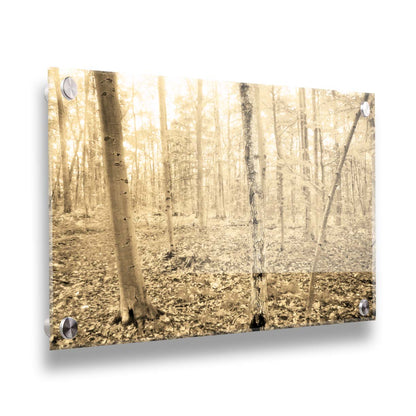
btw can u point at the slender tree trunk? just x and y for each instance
(153, 173)
(92, 197)
(62, 139)
(318, 209)
(359, 186)
(144, 170)
(55, 189)
(220, 203)
(258, 301)
(85, 179)
(166, 162)
(229, 184)
(352, 188)
(305, 162)
(372, 133)
(322, 168)
(77, 185)
(76, 136)
(135, 174)
(338, 193)
(279, 173)
(319, 242)
(292, 184)
(347, 191)
(260, 138)
(134, 305)
(200, 178)
(365, 185)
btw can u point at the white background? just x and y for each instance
(364, 369)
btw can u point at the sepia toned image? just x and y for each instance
(183, 207)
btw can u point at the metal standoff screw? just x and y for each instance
(365, 109)
(69, 88)
(46, 327)
(364, 307)
(68, 328)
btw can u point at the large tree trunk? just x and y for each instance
(279, 173)
(200, 178)
(62, 140)
(258, 300)
(305, 162)
(134, 305)
(166, 162)
(319, 242)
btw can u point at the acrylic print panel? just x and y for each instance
(182, 207)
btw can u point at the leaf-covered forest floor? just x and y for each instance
(205, 288)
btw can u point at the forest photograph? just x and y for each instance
(186, 207)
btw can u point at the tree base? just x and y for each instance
(258, 322)
(138, 319)
(170, 254)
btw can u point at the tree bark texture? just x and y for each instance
(134, 305)
(258, 300)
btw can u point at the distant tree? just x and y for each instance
(279, 172)
(219, 199)
(258, 299)
(305, 162)
(85, 177)
(134, 304)
(200, 178)
(371, 137)
(260, 140)
(338, 198)
(167, 182)
(229, 162)
(319, 242)
(62, 140)
(135, 176)
(318, 209)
